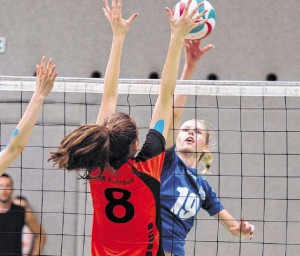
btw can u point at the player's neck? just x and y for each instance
(190, 159)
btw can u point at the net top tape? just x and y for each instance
(147, 86)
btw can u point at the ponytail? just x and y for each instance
(86, 148)
(93, 146)
(207, 160)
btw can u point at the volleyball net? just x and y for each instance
(255, 170)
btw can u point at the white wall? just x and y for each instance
(252, 38)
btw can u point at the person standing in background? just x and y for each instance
(12, 220)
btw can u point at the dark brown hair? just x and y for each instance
(92, 146)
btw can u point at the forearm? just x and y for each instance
(171, 67)
(112, 72)
(24, 128)
(111, 79)
(168, 83)
(188, 70)
(38, 244)
(229, 222)
(179, 102)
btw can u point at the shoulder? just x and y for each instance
(17, 208)
(156, 136)
(171, 155)
(154, 145)
(171, 161)
(203, 183)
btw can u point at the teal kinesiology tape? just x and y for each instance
(159, 126)
(14, 133)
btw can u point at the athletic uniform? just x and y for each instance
(11, 225)
(126, 219)
(183, 194)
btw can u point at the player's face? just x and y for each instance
(6, 189)
(192, 137)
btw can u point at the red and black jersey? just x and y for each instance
(126, 219)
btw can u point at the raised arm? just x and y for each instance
(119, 27)
(46, 75)
(179, 29)
(193, 53)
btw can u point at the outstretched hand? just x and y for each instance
(186, 22)
(45, 77)
(113, 14)
(194, 51)
(245, 228)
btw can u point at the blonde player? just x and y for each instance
(183, 191)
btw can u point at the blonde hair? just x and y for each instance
(207, 158)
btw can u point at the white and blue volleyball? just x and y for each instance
(203, 30)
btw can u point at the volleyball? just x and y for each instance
(203, 30)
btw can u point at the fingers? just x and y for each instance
(49, 67)
(42, 65)
(119, 8)
(247, 227)
(194, 51)
(106, 13)
(169, 13)
(251, 231)
(132, 18)
(195, 10)
(53, 73)
(198, 19)
(48, 72)
(37, 69)
(208, 47)
(113, 5)
(186, 8)
(106, 6)
(114, 15)
(106, 10)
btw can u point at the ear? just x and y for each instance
(135, 145)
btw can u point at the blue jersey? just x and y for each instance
(183, 194)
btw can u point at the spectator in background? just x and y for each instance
(12, 220)
(27, 235)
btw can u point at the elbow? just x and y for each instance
(16, 148)
(20, 148)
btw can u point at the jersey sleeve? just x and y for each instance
(211, 203)
(151, 157)
(170, 161)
